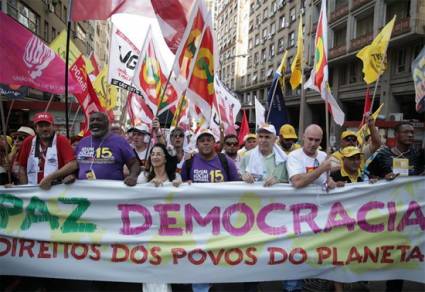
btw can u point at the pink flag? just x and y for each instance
(103, 9)
(27, 61)
(172, 18)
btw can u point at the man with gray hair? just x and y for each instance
(266, 162)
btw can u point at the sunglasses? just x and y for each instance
(178, 135)
(20, 138)
(350, 139)
(232, 144)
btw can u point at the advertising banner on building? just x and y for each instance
(214, 232)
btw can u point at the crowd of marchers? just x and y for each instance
(40, 156)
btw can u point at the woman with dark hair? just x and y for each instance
(161, 168)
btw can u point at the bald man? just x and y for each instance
(309, 165)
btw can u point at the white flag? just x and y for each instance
(259, 113)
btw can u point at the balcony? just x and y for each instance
(337, 51)
(402, 26)
(358, 3)
(339, 12)
(361, 41)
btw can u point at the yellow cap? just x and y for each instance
(350, 151)
(288, 132)
(249, 136)
(346, 134)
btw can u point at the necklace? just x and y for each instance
(399, 153)
(94, 150)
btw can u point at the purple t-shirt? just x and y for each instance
(204, 171)
(110, 154)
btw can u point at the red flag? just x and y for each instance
(93, 61)
(244, 129)
(172, 18)
(88, 98)
(103, 9)
(27, 61)
(138, 111)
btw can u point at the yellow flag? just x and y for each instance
(59, 46)
(364, 130)
(182, 106)
(296, 73)
(282, 67)
(106, 92)
(373, 55)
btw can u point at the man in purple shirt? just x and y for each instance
(103, 154)
(207, 166)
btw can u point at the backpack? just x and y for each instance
(223, 161)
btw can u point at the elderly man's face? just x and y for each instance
(44, 130)
(312, 140)
(266, 142)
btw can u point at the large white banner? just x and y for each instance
(207, 233)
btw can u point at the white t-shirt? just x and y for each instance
(299, 162)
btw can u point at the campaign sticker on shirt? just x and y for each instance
(401, 166)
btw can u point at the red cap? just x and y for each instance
(43, 117)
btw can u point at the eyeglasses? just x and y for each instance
(178, 135)
(350, 139)
(232, 144)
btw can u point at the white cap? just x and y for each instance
(204, 132)
(267, 127)
(143, 128)
(26, 130)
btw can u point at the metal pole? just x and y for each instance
(50, 101)
(9, 112)
(68, 39)
(271, 101)
(3, 123)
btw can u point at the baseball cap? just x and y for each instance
(144, 129)
(350, 151)
(43, 117)
(288, 132)
(204, 132)
(26, 130)
(249, 136)
(346, 134)
(268, 128)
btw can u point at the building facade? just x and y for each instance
(353, 24)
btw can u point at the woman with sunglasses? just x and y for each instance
(18, 137)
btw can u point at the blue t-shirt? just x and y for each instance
(105, 156)
(205, 171)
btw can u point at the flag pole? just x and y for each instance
(272, 100)
(6, 145)
(327, 127)
(9, 112)
(301, 125)
(50, 101)
(68, 39)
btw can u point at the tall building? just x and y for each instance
(353, 24)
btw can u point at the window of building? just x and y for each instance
(339, 3)
(250, 44)
(258, 20)
(53, 33)
(292, 14)
(256, 57)
(282, 21)
(291, 40)
(272, 28)
(46, 31)
(340, 36)
(24, 15)
(399, 8)
(342, 75)
(271, 51)
(65, 13)
(257, 39)
(364, 26)
(281, 45)
(263, 54)
(58, 10)
(265, 32)
(353, 72)
(401, 61)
